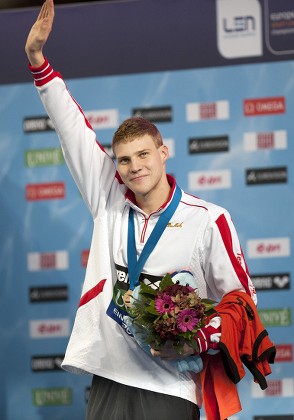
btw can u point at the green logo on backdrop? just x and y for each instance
(52, 396)
(275, 317)
(43, 157)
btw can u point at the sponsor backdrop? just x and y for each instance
(230, 134)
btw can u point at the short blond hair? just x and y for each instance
(135, 127)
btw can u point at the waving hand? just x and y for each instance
(39, 34)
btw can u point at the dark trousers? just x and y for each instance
(109, 400)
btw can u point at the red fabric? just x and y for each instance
(226, 235)
(43, 74)
(203, 338)
(243, 335)
(92, 293)
(220, 395)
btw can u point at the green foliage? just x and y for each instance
(163, 323)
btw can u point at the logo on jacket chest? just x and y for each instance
(175, 225)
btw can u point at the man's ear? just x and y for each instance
(164, 152)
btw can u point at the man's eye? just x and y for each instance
(143, 154)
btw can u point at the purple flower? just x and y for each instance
(187, 319)
(164, 304)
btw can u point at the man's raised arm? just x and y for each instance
(39, 34)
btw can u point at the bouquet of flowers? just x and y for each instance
(173, 312)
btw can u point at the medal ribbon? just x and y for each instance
(135, 266)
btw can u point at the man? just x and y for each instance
(198, 237)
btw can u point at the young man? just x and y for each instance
(129, 383)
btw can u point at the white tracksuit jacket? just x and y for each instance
(200, 238)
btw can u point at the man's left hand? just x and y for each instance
(168, 351)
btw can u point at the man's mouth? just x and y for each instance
(137, 178)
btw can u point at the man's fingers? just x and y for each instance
(47, 10)
(165, 353)
(50, 9)
(155, 353)
(42, 12)
(168, 351)
(39, 34)
(127, 298)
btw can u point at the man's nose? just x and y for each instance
(135, 165)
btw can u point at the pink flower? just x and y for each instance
(187, 319)
(164, 304)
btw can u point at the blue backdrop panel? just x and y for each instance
(46, 228)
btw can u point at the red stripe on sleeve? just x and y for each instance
(92, 293)
(43, 74)
(227, 239)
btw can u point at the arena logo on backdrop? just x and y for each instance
(209, 180)
(48, 294)
(284, 353)
(239, 28)
(49, 328)
(155, 114)
(44, 157)
(265, 140)
(38, 261)
(43, 397)
(47, 363)
(275, 175)
(264, 106)
(276, 388)
(209, 144)
(37, 124)
(268, 248)
(199, 111)
(278, 281)
(102, 119)
(46, 191)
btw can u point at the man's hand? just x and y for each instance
(186, 361)
(39, 34)
(168, 352)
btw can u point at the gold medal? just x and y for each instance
(127, 298)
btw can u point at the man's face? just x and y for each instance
(141, 165)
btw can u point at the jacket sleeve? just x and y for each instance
(224, 265)
(92, 169)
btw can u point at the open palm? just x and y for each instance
(39, 33)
